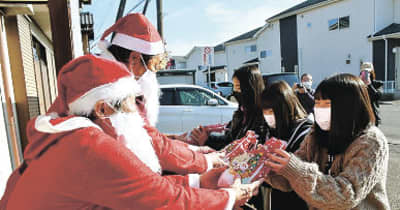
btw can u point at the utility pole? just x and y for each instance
(145, 7)
(159, 18)
(120, 13)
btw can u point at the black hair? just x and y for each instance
(351, 111)
(122, 54)
(251, 86)
(286, 107)
(303, 75)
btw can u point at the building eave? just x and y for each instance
(302, 10)
(240, 41)
(387, 36)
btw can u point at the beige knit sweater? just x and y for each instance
(357, 180)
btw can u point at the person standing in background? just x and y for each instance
(305, 93)
(367, 75)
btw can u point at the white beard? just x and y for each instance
(151, 92)
(130, 126)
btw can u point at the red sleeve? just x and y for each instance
(175, 156)
(178, 179)
(116, 178)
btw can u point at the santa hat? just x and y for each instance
(85, 80)
(134, 32)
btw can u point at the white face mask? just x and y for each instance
(307, 85)
(323, 118)
(270, 119)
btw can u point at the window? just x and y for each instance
(339, 23)
(195, 97)
(251, 48)
(344, 22)
(192, 97)
(265, 53)
(333, 24)
(167, 97)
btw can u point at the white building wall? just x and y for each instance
(323, 52)
(383, 13)
(221, 76)
(269, 40)
(396, 10)
(237, 55)
(219, 58)
(194, 59)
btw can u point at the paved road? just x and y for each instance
(391, 128)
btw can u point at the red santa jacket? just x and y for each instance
(85, 168)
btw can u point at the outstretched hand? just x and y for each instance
(278, 160)
(199, 135)
(209, 179)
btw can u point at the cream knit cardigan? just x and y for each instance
(357, 180)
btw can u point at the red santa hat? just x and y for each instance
(85, 80)
(134, 32)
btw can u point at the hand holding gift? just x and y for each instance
(248, 163)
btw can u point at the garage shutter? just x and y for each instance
(29, 70)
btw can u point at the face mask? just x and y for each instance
(307, 85)
(238, 96)
(270, 119)
(323, 118)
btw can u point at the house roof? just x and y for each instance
(246, 35)
(254, 60)
(219, 47)
(214, 68)
(391, 29)
(305, 4)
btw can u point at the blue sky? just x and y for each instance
(189, 23)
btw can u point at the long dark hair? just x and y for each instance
(249, 115)
(251, 86)
(351, 111)
(287, 108)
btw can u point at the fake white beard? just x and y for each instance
(130, 125)
(151, 91)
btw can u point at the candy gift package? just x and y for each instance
(246, 158)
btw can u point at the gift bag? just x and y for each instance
(240, 146)
(249, 165)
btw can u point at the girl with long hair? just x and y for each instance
(343, 161)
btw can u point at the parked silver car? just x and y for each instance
(184, 107)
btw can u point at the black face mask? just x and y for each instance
(238, 96)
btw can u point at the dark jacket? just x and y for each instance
(241, 122)
(307, 100)
(374, 96)
(290, 200)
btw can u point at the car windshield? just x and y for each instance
(187, 96)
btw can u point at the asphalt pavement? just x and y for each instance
(390, 113)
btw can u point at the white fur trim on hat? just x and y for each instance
(138, 45)
(118, 90)
(42, 124)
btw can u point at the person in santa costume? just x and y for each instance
(138, 45)
(93, 152)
